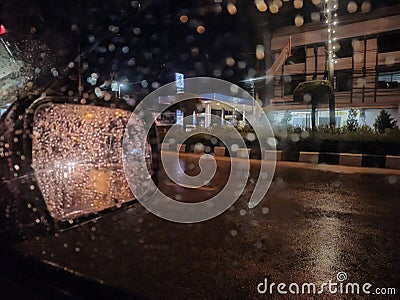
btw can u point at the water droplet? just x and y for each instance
(295, 137)
(265, 210)
(251, 137)
(392, 179)
(235, 147)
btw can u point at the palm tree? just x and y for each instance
(316, 92)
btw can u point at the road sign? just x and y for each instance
(179, 83)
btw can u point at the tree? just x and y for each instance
(316, 92)
(384, 121)
(352, 122)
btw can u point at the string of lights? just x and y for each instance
(330, 14)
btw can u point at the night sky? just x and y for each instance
(148, 40)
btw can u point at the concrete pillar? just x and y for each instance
(350, 159)
(219, 151)
(207, 117)
(308, 157)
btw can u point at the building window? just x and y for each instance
(344, 48)
(388, 42)
(343, 80)
(387, 80)
(291, 82)
(298, 56)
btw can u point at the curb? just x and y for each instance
(343, 159)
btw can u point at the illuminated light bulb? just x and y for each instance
(299, 20)
(316, 2)
(336, 47)
(352, 7)
(366, 7)
(231, 8)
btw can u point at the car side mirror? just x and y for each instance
(67, 164)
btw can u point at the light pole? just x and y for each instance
(330, 7)
(253, 95)
(119, 89)
(330, 14)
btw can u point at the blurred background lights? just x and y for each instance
(315, 17)
(298, 4)
(278, 3)
(352, 7)
(299, 20)
(261, 5)
(274, 8)
(230, 61)
(366, 7)
(231, 8)
(200, 29)
(260, 52)
(183, 18)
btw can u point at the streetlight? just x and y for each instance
(116, 87)
(119, 89)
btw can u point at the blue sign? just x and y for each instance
(179, 82)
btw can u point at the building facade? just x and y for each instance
(367, 67)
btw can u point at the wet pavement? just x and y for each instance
(311, 225)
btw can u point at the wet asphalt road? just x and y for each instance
(310, 226)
